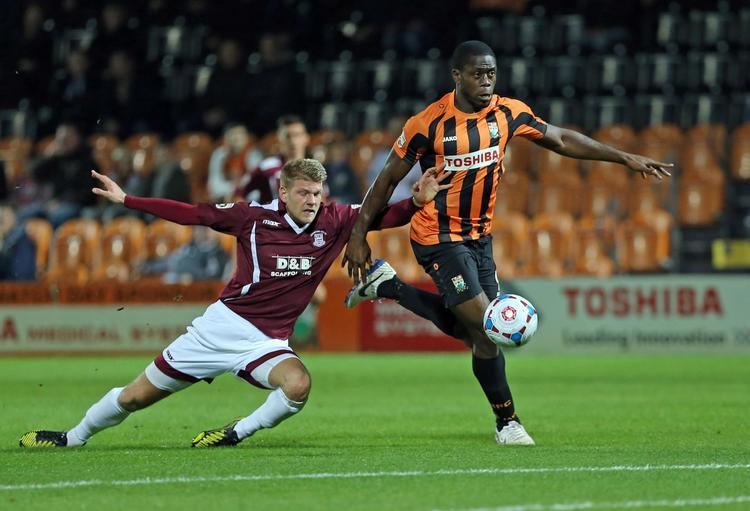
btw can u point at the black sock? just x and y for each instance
(422, 303)
(490, 372)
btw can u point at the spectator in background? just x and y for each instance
(202, 258)
(32, 56)
(226, 94)
(229, 162)
(17, 249)
(403, 188)
(74, 88)
(343, 185)
(127, 102)
(274, 87)
(262, 183)
(63, 177)
(114, 35)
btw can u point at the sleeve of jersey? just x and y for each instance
(413, 142)
(395, 215)
(525, 123)
(228, 218)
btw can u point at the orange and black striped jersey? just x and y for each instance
(473, 147)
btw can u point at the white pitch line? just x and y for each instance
(627, 504)
(355, 475)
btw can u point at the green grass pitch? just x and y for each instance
(395, 432)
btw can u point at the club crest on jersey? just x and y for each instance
(401, 140)
(318, 238)
(459, 284)
(225, 205)
(494, 131)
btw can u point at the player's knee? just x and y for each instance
(484, 348)
(134, 399)
(297, 385)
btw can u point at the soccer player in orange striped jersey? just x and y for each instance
(466, 132)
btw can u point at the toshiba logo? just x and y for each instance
(477, 159)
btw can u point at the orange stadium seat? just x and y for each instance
(700, 202)
(75, 251)
(513, 191)
(132, 228)
(15, 152)
(506, 253)
(667, 133)
(550, 244)
(648, 194)
(618, 135)
(555, 168)
(740, 158)
(715, 135)
(514, 222)
(601, 199)
(195, 141)
(610, 174)
(83, 236)
(394, 246)
(590, 254)
(660, 222)
(103, 146)
(112, 271)
(557, 197)
(698, 155)
(43, 144)
(163, 237)
(40, 230)
(636, 248)
(518, 155)
(326, 136)
(145, 141)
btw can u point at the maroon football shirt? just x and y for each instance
(279, 263)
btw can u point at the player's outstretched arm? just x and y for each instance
(110, 190)
(423, 192)
(577, 145)
(357, 254)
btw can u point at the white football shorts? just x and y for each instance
(218, 342)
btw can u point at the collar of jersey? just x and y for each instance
(293, 224)
(480, 113)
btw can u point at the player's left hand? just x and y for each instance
(428, 185)
(647, 166)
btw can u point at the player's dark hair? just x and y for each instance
(468, 49)
(286, 120)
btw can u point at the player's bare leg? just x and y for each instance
(489, 369)
(109, 411)
(291, 382)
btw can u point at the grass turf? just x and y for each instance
(407, 415)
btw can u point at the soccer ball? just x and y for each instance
(510, 320)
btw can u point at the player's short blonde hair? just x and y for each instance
(305, 168)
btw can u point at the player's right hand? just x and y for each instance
(111, 191)
(357, 258)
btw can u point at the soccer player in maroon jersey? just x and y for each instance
(284, 249)
(467, 131)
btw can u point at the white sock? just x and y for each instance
(103, 414)
(276, 408)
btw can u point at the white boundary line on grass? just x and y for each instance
(627, 504)
(354, 475)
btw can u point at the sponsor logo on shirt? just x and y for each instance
(450, 139)
(291, 266)
(319, 239)
(271, 223)
(477, 159)
(225, 205)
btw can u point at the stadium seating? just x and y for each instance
(163, 237)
